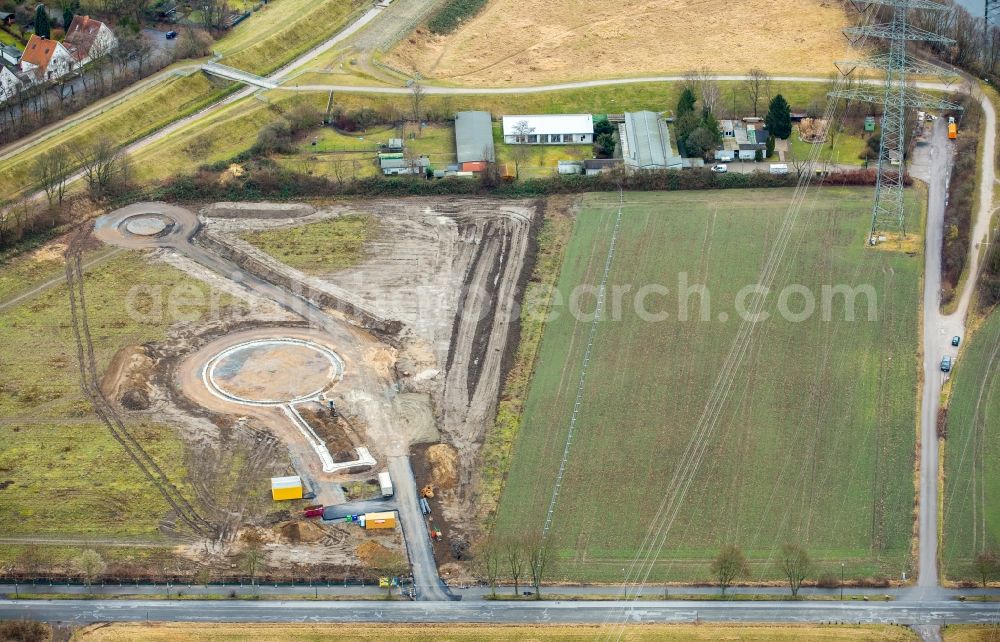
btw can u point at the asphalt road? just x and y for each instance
(934, 613)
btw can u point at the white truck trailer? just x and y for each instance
(385, 483)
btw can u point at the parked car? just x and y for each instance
(946, 364)
(955, 340)
(171, 35)
(720, 168)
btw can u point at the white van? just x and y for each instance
(779, 168)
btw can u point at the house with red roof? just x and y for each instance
(88, 39)
(45, 59)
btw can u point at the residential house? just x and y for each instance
(87, 39)
(750, 137)
(10, 84)
(45, 59)
(474, 140)
(549, 129)
(645, 142)
(10, 55)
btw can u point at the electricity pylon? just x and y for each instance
(896, 97)
(991, 11)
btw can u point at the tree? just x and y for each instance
(43, 29)
(795, 565)
(699, 143)
(67, 17)
(604, 138)
(252, 556)
(779, 117)
(91, 565)
(213, 13)
(706, 87)
(103, 165)
(686, 103)
(52, 170)
(757, 86)
(540, 555)
(513, 553)
(488, 561)
(520, 150)
(769, 146)
(417, 105)
(987, 565)
(728, 565)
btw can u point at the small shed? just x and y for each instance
(474, 137)
(570, 167)
(376, 521)
(394, 145)
(285, 488)
(474, 166)
(10, 54)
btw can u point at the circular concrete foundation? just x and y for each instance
(273, 371)
(147, 224)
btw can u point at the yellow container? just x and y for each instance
(380, 520)
(285, 488)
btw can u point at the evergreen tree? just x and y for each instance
(67, 17)
(711, 125)
(779, 117)
(42, 27)
(770, 146)
(685, 104)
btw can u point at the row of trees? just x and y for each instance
(514, 558)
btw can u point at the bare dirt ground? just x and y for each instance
(521, 42)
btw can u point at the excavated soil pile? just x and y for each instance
(444, 466)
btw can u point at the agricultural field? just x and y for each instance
(321, 247)
(128, 121)
(972, 448)
(281, 31)
(169, 632)
(48, 428)
(522, 42)
(815, 444)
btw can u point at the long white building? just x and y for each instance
(549, 129)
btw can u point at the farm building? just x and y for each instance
(283, 488)
(646, 142)
(595, 166)
(551, 129)
(473, 138)
(396, 164)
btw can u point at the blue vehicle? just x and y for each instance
(955, 340)
(946, 364)
(171, 35)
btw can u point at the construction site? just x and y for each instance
(330, 382)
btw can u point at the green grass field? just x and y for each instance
(972, 448)
(68, 476)
(816, 440)
(128, 121)
(282, 31)
(844, 149)
(318, 248)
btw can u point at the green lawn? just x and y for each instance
(843, 148)
(815, 442)
(972, 477)
(539, 160)
(318, 248)
(282, 31)
(68, 475)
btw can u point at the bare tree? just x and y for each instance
(987, 565)
(52, 170)
(758, 86)
(91, 565)
(706, 87)
(520, 150)
(728, 565)
(795, 564)
(513, 552)
(541, 556)
(488, 561)
(252, 556)
(214, 13)
(102, 165)
(417, 105)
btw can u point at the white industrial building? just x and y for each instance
(549, 129)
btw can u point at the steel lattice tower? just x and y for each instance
(991, 11)
(896, 97)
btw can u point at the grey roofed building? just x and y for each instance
(10, 54)
(474, 137)
(646, 142)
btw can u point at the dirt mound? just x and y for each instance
(302, 532)
(443, 460)
(127, 377)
